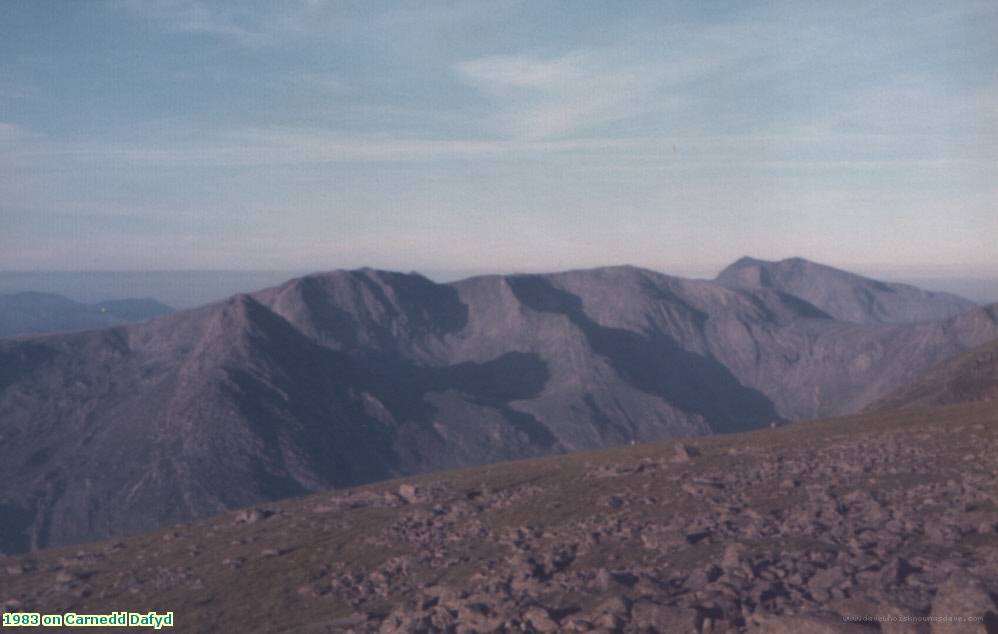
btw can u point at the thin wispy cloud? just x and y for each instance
(695, 126)
(538, 98)
(240, 25)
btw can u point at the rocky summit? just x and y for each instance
(845, 295)
(337, 379)
(885, 522)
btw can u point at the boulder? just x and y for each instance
(684, 452)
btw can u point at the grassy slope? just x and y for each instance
(570, 532)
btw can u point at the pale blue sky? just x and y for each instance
(473, 136)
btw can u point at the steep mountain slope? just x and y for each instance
(815, 369)
(845, 296)
(33, 313)
(128, 429)
(804, 529)
(971, 376)
(336, 379)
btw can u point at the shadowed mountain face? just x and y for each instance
(843, 295)
(654, 362)
(35, 313)
(348, 377)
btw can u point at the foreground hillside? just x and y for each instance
(344, 378)
(782, 530)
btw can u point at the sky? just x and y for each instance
(498, 136)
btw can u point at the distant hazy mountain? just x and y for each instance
(844, 295)
(335, 379)
(180, 289)
(968, 377)
(34, 313)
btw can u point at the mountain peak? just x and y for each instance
(235, 318)
(744, 261)
(748, 262)
(843, 295)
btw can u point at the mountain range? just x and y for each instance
(30, 313)
(341, 378)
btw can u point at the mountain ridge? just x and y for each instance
(341, 378)
(843, 295)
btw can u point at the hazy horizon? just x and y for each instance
(183, 289)
(313, 135)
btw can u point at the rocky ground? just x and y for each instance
(816, 527)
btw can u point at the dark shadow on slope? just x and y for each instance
(800, 307)
(20, 358)
(514, 376)
(15, 524)
(666, 295)
(412, 304)
(332, 322)
(296, 396)
(655, 364)
(511, 377)
(429, 307)
(321, 389)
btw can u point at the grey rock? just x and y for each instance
(540, 619)
(410, 493)
(827, 579)
(251, 516)
(684, 453)
(732, 556)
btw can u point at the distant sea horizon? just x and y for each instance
(182, 289)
